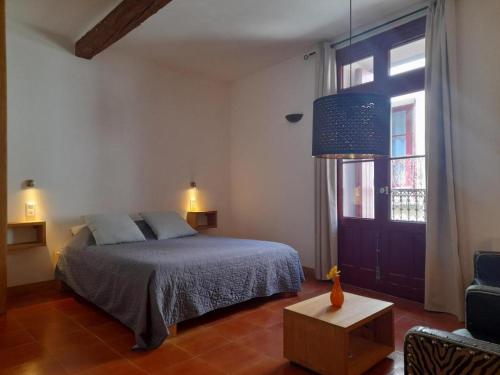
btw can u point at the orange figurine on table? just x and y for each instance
(337, 295)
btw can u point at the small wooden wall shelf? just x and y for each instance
(201, 220)
(34, 239)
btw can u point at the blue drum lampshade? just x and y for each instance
(351, 126)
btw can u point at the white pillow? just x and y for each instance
(77, 228)
(168, 225)
(113, 229)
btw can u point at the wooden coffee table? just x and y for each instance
(349, 340)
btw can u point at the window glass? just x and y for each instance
(407, 57)
(408, 192)
(357, 73)
(358, 189)
(399, 145)
(408, 179)
(408, 124)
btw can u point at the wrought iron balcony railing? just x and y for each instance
(408, 205)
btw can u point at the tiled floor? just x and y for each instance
(55, 333)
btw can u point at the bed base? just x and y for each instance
(63, 287)
(172, 330)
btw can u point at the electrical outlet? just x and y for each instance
(30, 210)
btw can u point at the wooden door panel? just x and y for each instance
(368, 246)
(402, 263)
(358, 259)
(419, 269)
(350, 258)
(397, 257)
(368, 260)
(419, 256)
(401, 260)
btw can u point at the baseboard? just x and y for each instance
(19, 290)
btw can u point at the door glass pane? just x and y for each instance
(408, 180)
(358, 189)
(407, 57)
(408, 124)
(362, 72)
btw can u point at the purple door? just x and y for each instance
(382, 202)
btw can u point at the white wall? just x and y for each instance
(272, 171)
(478, 136)
(108, 135)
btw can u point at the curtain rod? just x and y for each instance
(333, 45)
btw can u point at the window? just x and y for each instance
(357, 73)
(408, 57)
(391, 63)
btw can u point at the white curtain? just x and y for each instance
(444, 288)
(325, 196)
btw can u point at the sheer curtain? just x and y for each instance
(444, 288)
(325, 173)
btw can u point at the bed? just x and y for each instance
(151, 285)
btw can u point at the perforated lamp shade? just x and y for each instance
(351, 126)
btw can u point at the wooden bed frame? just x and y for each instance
(173, 330)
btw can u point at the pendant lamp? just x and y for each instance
(351, 125)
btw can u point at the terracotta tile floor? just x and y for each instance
(57, 333)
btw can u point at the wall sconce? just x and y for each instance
(28, 184)
(193, 206)
(294, 117)
(30, 206)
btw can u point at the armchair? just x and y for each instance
(474, 350)
(482, 298)
(433, 352)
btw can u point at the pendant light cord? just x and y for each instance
(350, 23)
(350, 42)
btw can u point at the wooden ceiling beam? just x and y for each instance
(128, 15)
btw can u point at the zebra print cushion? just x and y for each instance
(434, 352)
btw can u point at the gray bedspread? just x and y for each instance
(154, 284)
